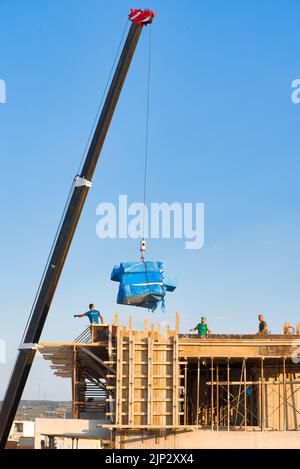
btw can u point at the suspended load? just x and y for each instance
(142, 284)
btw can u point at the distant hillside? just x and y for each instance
(30, 410)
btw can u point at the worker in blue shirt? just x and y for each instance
(93, 314)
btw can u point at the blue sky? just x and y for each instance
(223, 131)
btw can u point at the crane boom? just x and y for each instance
(57, 259)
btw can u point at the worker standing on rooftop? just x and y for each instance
(93, 314)
(202, 328)
(262, 327)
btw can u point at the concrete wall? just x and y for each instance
(27, 429)
(207, 439)
(70, 426)
(26, 442)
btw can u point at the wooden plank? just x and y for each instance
(238, 383)
(131, 379)
(177, 323)
(150, 372)
(245, 392)
(158, 331)
(116, 319)
(185, 394)
(159, 406)
(159, 400)
(146, 327)
(198, 390)
(153, 362)
(175, 380)
(153, 427)
(262, 395)
(217, 395)
(74, 384)
(228, 394)
(212, 392)
(285, 420)
(110, 341)
(118, 381)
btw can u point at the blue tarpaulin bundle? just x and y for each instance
(142, 284)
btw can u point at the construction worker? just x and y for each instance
(262, 327)
(202, 327)
(93, 314)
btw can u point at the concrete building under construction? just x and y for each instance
(161, 389)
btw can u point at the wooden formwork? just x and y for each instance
(156, 379)
(147, 377)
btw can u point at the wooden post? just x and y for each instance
(262, 395)
(110, 342)
(92, 329)
(198, 390)
(74, 385)
(279, 397)
(288, 328)
(159, 372)
(150, 379)
(251, 406)
(212, 392)
(146, 327)
(177, 323)
(217, 396)
(117, 379)
(175, 379)
(112, 404)
(228, 395)
(185, 392)
(158, 331)
(284, 395)
(116, 319)
(245, 393)
(119, 406)
(131, 352)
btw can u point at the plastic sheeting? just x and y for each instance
(142, 284)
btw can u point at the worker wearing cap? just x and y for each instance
(202, 327)
(93, 314)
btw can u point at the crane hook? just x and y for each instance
(143, 249)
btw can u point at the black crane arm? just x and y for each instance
(54, 268)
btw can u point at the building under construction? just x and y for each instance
(154, 388)
(159, 388)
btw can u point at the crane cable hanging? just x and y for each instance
(73, 182)
(143, 241)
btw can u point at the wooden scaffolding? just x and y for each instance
(152, 379)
